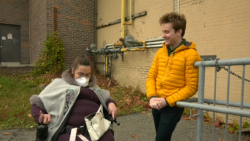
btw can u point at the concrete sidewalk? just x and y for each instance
(135, 127)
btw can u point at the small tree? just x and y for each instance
(51, 59)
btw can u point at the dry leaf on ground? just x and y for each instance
(186, 118)
(243, 138)
(6, 107)
(220, 119)
(134, 136)
(149, 109)
(149, 114)
(143, 112)
(6, 133)
(0, 86)
(29, 115)
(217, 124)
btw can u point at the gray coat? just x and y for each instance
(59, 97)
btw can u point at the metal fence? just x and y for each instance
(217, 64)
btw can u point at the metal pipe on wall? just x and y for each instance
(153, 43)
(130, 19)
(178, 6)
(156, 39)
(110, 65)
(148, 45)
(123, 19)
(173, 5)
(107, 64)
(104, 65)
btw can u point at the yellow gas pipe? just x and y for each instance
(139, 49)
(123, 23)
(117, 44)
(130, 22)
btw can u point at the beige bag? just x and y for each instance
(97, 125)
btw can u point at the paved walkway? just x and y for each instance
(135, 127)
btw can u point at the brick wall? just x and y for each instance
(16, 12)
(37, 27)
(10, 70)
(75, 25)
(216, 27)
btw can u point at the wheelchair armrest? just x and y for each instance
(109, 117)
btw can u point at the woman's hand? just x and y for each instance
(46, 118)
(112, 109)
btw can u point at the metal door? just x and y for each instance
(10, 43)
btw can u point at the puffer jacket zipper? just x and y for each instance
(171, 56)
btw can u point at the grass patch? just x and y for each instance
(129, 100)
(14, 102)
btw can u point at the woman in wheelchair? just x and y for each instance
(65, 102)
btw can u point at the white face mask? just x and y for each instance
(82, 81)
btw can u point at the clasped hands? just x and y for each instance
(157, 103)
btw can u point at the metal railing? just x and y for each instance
(201, 100)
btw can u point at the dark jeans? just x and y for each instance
(165, 121)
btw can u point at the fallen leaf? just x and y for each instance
(134, 136)
(6, 107)
(194, 118)
(29, 115)
(143, 112)
(186, 118)
(149, 109)
(220, 119)
(217, 124)
(136, 98)
(149, 114)
(21, 113)
(6, 133)
(0, 86)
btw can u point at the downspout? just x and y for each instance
(30, 47)
(173, 5)
(122, 23)
(104, 65)
(107, 63)
(110, 65)
(178, 6)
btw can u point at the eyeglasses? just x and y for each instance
(84, 75)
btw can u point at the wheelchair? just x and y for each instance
(42, 129)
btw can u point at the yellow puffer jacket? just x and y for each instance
(174, 77)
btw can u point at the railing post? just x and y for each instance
(200, 101)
